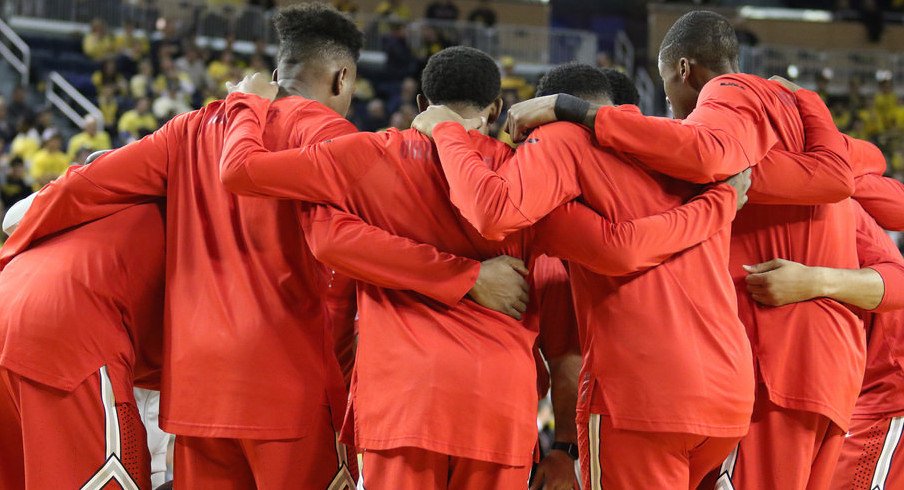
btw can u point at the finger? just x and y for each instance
(525, 286)
(763, 267)
(538, 481)
(520, 306)
(524, 297)
(518, 265)
(758, 279)
(513, 313)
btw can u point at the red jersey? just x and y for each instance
(690, 370)
(882, 197)
(69, 303)
(250, 354)
(741, 120)
(551, 311)
(403, 393)
(883, 382)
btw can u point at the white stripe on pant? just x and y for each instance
(112, 469)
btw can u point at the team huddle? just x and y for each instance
(724, 277)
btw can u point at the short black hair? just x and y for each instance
(461, 75)
(703, 36)
(313, 30)
(621, 87)
(577, 79)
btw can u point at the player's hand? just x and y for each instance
(781, 282)
(786, 83)
(435, 114)
(257, 84)
(523, 117)
(555, 472)
(501, 286)
(741, 183)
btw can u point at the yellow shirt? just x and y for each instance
(98, 47)
(139, 45)
(132, 122)
(100, 141)
(219, 72)
(48, 165)
(24, 146)
(108, 107)
(402, 12)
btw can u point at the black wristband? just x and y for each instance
(566, 447)
(571, 108)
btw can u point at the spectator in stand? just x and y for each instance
(135, 121)
(91, 137)
(18, 107)
(174, 80)
(192, 64)
(49, 162)
(347, 6)
(442, 10)
(376, 117)
(15, 188)
(432, 41)
(27, 141)
(513, 82)
(99, 44)
(170, 43)
(221, 70)
(257, 64)
(399, 121)
(407, 95)
(142, 84)
(483, 14)
(7, 127)
(400, 60)
(108, 103)
(393, 10)
(109, 74)
(130, 44)
(170, 103)
(885, 103)
(44, 121)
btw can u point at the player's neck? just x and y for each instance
(293, 87)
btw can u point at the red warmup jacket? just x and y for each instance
(458, 380)
(71, 303)
(739, 121)
(249, 351)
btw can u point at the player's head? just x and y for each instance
(465, 79)
(577, 79)
(621, 87)
(318, 47)
(699, 46)
(96, 155)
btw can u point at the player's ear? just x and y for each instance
(684, 69)
(495, 110)
(275, 76)
(422, 103)
(340, 79)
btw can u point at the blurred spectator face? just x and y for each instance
(376, 110)
(409, 88)
(54, 143)
(227, 57)
(16, 168)
(108, 68)
(98, 27)
(603, 60)
(257, 63)
(508, 65)
(107, 91)
(146, 68)
(166, 65)
(19, 94)
(90, 125)
(128, 28)
(429, 35)
(408, 111)
(886, 86)
(45, 118)
(399, 121)
(143, 105)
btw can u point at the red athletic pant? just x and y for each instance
(871, 457)
(410, 468)
(616, 459)
(90, 439)
(316, 461)
(786, 449)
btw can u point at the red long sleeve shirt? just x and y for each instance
(738, 121)
(882, 393)
(554, 316)
(484, 379)
(72, 302)
(249, 351)
(690, 369)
